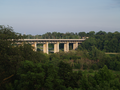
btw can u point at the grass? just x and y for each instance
(111, 53)
(88, 72)
(116, 72)
(92, 72)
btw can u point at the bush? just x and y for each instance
(77, 66)
(94, 67)
(91, 71)
(85, 66)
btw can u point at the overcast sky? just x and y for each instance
(41, 16)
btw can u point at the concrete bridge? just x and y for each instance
(56, 42)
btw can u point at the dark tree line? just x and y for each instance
(58, 35)
(108, 42)
(23, 69)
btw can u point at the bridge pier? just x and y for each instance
(45, 47)
(35, 46)
(56, 47)
(66, 47)
(75, 45)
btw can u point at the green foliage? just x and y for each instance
(23, 69)
(6, 33)
(69, 78)
(94, 66)
(64, 69)
(85, 66)
(33, 76)
(55, 35)
(103, 79)
(108, 42)
(9, 55)
(96, 54)
(91, 71)
(77, 66)
(30, 76)
(104, 75)
(88, 43)
(28, 54)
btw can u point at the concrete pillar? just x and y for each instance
(35, 46)
(75, 45)
(66, 47)
(45, 47)
(56, 47)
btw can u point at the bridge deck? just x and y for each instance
(50, 40)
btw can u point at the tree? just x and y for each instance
(91, 34)
(104, 74)
(101, 33)
(88, 43)
(9, 55)
(64, 71)
(96, 54)
(30, 76)
(82, 34)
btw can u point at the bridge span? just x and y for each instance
(56, 43)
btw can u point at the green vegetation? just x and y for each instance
(87, 68)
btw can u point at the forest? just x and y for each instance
(86, 68)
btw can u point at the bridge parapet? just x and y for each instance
(50, 40)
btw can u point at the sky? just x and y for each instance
(42, 16)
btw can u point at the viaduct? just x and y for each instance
(56, 42)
